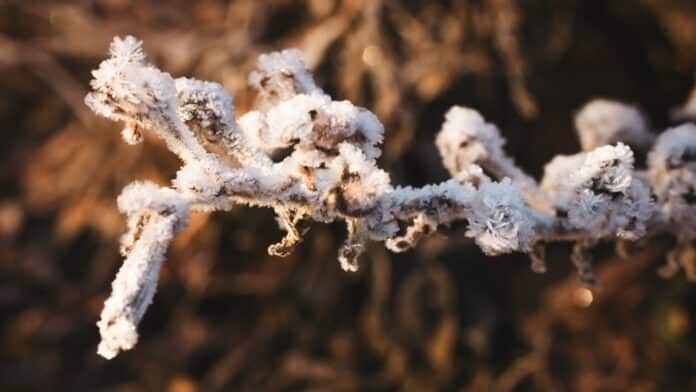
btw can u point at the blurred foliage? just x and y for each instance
(229, 317)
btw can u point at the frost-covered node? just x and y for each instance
(312, 158)
(598, 192)
(672, 171)
(603, 121)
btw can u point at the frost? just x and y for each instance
(672, 175)
(311, 158)
(602, 121)
(598, 193)
(466, 139)
(280, 76)
(501, 222)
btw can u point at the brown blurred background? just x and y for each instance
(229, 317)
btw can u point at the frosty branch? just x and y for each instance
(311, 158)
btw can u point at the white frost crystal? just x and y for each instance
(599, 193)
(328, 171)
(500, 221)
(282, 75)
(602, 121)
(466, 139)
(672, 173)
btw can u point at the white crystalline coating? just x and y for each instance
(132, 134)
(374, 179)
(370, 128)
(458, 195)
(672, 174)
(625, 216)
(638, 209)
(602, 121)
(609, 168)
(208, 109)
(466, 138)
(557, 172)
(326, 170)
(674, 148)
(207, 103)
(127, 89)
(600, 194)
(253, 126)
(128, 49)
(290, 121)
(313, 122)
(139, 196)
(500, 221)
(199, 178)
(154, 215)
(128, 80)
(137, 89)
(134, 286)
(280, 75)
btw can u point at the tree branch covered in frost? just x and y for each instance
(313, 159)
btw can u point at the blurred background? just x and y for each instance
(229, 317)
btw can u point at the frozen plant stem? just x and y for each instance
(329, 172)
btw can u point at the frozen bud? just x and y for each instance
(341, 121)
(624, 216)
(675, 148)
(606, 169)
(126, 87)
(501, 221)
(602, 121)
(291, 121)
(315, 122)
(672, 174)
(206, 108)
(361, 182)
(602, 196)
(557, 172)
(465, 139)
(254, 128)
(282, 75)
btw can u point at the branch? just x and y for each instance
(311, 158)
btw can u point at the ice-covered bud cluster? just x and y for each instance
(313, 122)
(672, 173)
(466, 139)
(501, 221)
(206, 108)
(598, 192)
(280, 76)
(314, 159)
(126, 88)
(602, 121)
